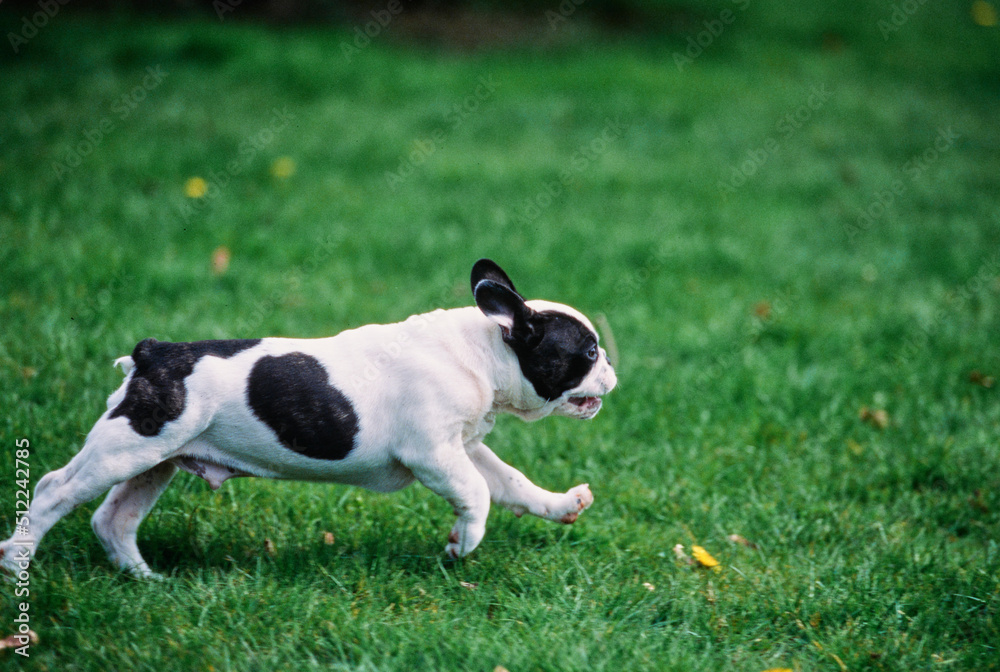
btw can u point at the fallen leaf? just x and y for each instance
(283, 168)
(742, 541)
(648, 586)
(681, 555)
(468, 586)
(877, 418)
(977, 377)
(778, 669)
(220, 260)
(195, 187)
(17, 641)
(833, 42)
(703, 557)
(984, 14)
(869, 273)
(500, 668)
(328, 538)
(976, 502)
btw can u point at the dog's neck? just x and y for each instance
(493, 362)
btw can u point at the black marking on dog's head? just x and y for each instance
(556, 351)
(559, 354)
(293, 396)
(156, 393)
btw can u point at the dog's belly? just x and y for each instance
(218, 456)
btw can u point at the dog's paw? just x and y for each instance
(463, 538)
(453, 549)
(580, 498)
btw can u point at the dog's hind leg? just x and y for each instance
(113, 453)
(118, 518)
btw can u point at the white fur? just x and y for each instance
(426, 392)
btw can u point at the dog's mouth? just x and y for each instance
(585, 404)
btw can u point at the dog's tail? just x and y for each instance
(125, 363)
(118, 395)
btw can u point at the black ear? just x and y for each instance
(486, 269)
(506, 307)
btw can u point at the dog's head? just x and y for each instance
(563, 366)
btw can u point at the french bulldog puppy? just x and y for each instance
(379, 407)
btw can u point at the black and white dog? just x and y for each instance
(379, 407)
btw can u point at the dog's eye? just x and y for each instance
(592, 353)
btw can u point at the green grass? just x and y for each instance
(752, 326)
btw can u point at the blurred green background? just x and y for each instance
(785, 217)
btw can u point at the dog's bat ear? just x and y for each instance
(486, 269)
(506, 307)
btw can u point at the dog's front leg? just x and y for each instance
(451, 474)
(512, 489)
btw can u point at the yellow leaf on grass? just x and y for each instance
(283, 168)
(195, 187)
(703, 557)
(984, 14)
(779, 669)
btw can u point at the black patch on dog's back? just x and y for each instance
(156, 393)
(558, 360)
(293, 396)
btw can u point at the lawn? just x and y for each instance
(791, 235)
